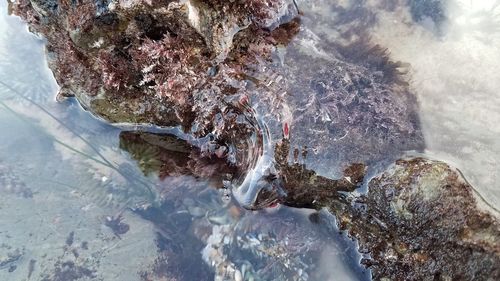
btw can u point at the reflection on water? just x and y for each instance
(81, 199)
(454, 72)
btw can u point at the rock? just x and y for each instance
(219, 21)
(136, 62)
(265, 247)
(9, 257)
(420, 220)
(169, 156)
(292, 114)
(237, 72)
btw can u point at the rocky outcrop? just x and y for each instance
(420, 220)
(147, 62)
(234, 71)
(267, 104)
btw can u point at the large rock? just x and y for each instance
(421, 220)
(246, 74)
(147, 62)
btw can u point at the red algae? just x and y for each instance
(278, 129)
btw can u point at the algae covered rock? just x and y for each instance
(169, 156)
(147, 62)
(219, 21)
(421, 220)
(246, 74)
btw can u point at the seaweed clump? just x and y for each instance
(148, 62)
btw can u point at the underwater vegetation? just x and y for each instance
(274, 103)
(413, 216)
(249, 101)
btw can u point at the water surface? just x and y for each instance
(65, 181)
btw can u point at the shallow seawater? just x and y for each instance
(454, 72)
(79, 202)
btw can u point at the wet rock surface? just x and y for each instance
(148, 63)
(158, 64)
(420, 220)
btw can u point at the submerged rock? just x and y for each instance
(421, 220)
(168, 156)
